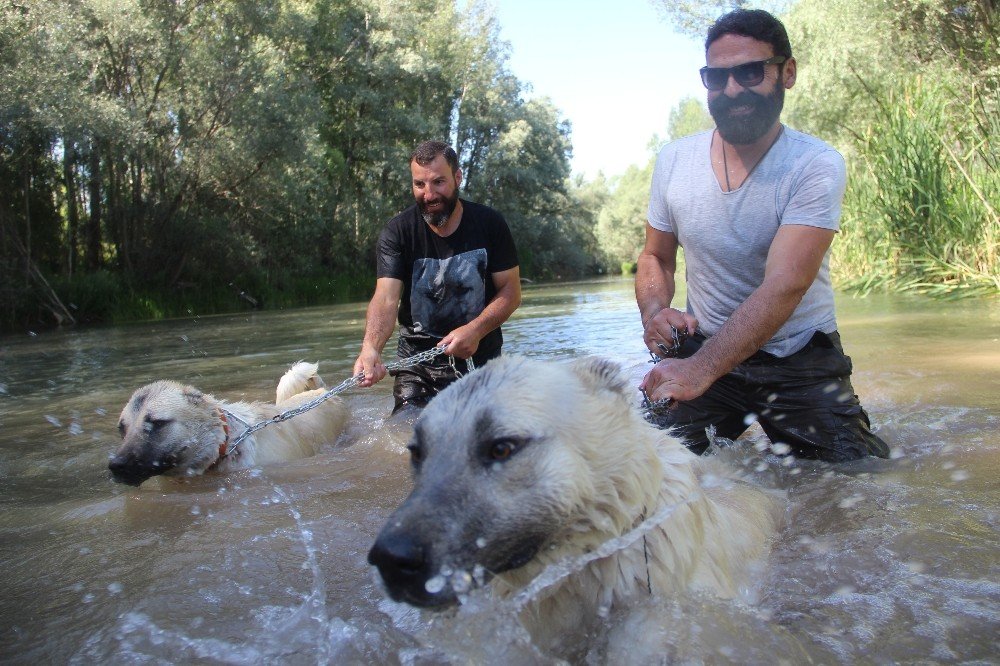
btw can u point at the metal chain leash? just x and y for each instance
(651, 407)
(350, 382)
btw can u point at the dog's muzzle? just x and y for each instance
(405, 569)
(132, 471)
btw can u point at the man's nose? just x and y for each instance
(732, 88)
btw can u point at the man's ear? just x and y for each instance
(458, 178)
(788, 73)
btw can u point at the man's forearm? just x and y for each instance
(748, 329)
(654, 286)
(495, 313)
(379, 324)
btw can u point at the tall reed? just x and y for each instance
(921, 210)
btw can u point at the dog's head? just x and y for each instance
(166, 428)
(508, 462)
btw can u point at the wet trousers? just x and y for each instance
(804, 401)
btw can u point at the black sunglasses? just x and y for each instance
(747, 75)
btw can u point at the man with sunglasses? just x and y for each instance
(755, 205)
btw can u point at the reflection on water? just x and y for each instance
(883, 561)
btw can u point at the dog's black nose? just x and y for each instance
(405, 567)
(128, 470)
(399, 556)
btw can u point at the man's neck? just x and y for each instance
(449, 227)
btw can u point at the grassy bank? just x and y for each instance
(921, 209)
(107, 298)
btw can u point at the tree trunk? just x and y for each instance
(72, 213)
(96, 208)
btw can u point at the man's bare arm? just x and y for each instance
(654, 290)
(379, 324)
(464, 340)
(793, 262)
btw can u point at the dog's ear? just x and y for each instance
(194, 396)
(601, 373)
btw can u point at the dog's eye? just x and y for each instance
(502, 449)
(156, 424)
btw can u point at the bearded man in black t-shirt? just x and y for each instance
(448, 270)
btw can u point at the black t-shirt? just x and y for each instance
(447, 282)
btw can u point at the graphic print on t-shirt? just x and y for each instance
(447, 293)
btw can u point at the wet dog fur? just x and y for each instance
(171, 429)
(526, 463)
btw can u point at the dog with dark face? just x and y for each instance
(174, 430)
(524, 463)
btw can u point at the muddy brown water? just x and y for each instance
(882, 562)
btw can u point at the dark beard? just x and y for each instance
(439, 219)
(749, 128)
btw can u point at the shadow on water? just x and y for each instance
(882, 561)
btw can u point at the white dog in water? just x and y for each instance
(525, 463)
(171, 429)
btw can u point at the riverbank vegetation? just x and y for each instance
(163, 158)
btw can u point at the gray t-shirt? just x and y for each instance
(726, 235)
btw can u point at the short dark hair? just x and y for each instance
(425, 153)
(754, 23)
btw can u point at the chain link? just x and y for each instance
(651, 407)
(350, 382)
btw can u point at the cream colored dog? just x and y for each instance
(175, 430)
(524, 464)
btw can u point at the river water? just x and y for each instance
(882, 562)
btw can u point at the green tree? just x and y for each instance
(621, 225)
(693, 17)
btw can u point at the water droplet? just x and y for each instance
(461, 582)
(53, 420)
(780, 448)
(87, 598)
(749, 419)
(435, 584)
(772, 397)
(115, 588)
(195, 510)
(830, 388)
(916, 567)
(896, 453)
(844, 590)
(959, 475)
(480, 542)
